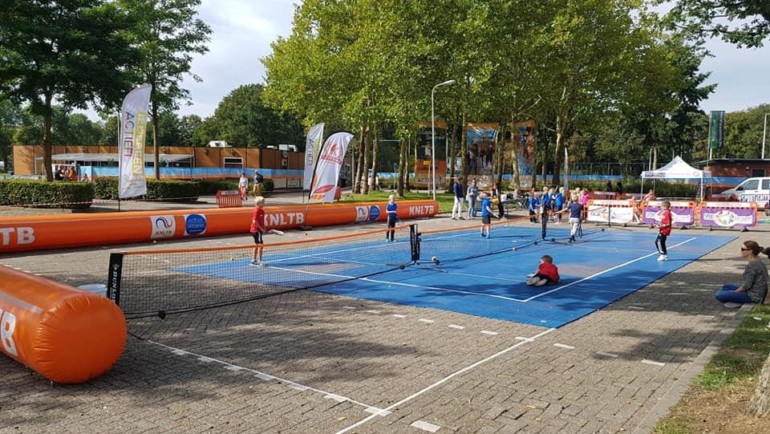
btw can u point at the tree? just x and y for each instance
(741, 22)
(10, 119)
(73, 52)
(167, 34)
(244, 120)
(187, 126)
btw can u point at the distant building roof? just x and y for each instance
(103, 157)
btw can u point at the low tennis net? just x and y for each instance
(159, 282)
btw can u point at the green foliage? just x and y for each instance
(34, 193)
(167, 35)
(742, 354)
(243, 120)
(165, 190)
(744, 23)
(73, 52)
(210, 187)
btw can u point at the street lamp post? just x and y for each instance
(764, 136)
(433, 135)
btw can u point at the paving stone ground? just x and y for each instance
(316, 363)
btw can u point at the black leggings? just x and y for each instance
(391, 235)
(660, 244)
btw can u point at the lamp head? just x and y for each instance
(447, 82)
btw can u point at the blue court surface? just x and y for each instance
(485, 277)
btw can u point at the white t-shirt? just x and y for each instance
(243, 182)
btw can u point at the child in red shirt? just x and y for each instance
(546, 273)
(664, 230)
(257, 229)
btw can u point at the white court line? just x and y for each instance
(446, 379)
(605, 354)
(501, 297)
(603, 272)
(425, 426)
(264, 376)
(519, 300)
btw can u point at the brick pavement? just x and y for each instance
(316, 363)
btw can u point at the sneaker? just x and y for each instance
(262, 263)
(663, 258)
(254, 263)
(732, 305)
(541, 282)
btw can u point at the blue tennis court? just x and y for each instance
(485, 276)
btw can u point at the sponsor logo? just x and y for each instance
(23, 235)
(194, 224)
(163, 226)
(421, 210)
(7, 326)
(374, 213)
(284, 219)
(362, 214)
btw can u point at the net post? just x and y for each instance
(414, 241)
(113, 277)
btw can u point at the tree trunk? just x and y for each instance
(402, 159)
(375, 148)
(365, 166)
(155, 148)
(47, 148)
(514, 157)
(760, 402)
(561, 128)
(359, 182)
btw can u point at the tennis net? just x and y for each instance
(159, 282)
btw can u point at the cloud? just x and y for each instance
(741, 75)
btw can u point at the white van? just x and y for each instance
(752, 190)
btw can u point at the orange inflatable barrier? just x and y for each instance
(65, 334)
(19, 234)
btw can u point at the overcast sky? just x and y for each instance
(244, 29)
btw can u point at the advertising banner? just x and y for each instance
(327, 171)
(133, 132)
(727, 214)
(610, 211)
(682, 213)
(312, 145)
(525, 146)
(716, 129)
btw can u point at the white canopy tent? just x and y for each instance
(677, 169)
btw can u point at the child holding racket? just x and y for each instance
(664, 230)
(257, 229)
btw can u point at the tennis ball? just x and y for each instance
(434, 259)
(515, 248)
(232, 259)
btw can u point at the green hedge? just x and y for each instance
(211, 186)
(168, 190)
(662, 188)
(42, 194)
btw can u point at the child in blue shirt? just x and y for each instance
(392, 209)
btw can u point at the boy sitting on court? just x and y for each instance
(546, 273)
